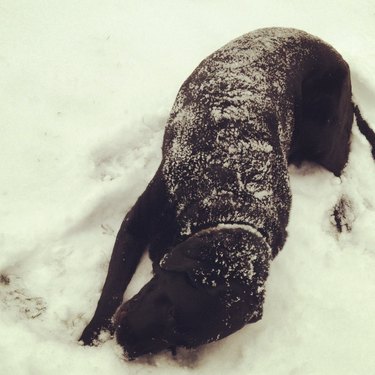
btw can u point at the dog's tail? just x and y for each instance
(365, 128)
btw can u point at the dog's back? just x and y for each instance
(243, 113)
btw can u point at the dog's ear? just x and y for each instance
(221, 257)
(184, 256)
(188, 257)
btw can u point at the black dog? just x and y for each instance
(215, 214)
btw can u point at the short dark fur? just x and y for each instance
(215, 214)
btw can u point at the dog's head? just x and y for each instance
(206, 288)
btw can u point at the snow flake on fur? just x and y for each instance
(227, 140)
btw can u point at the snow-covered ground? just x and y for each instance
(85, 89)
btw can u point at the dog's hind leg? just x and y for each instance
(324, 119)
(132, 239)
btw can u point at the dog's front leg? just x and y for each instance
(124, 260)
(132, 239)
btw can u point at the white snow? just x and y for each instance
(86, 88)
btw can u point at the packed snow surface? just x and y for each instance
(86, 90)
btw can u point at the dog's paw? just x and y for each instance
(90, 335)
(94, 334)
(342, 215)
(89, 338)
